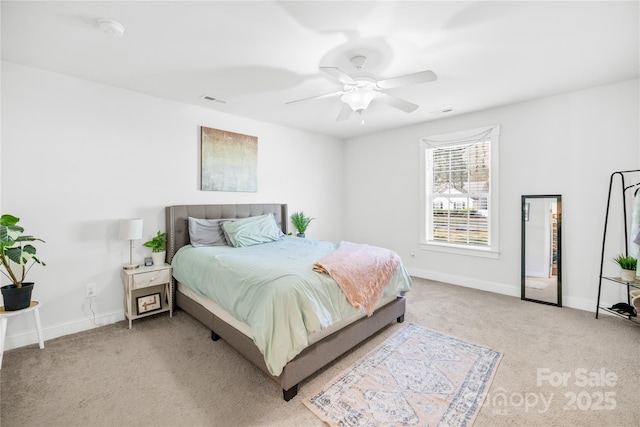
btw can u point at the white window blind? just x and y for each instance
(458, 172)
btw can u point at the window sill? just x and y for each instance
(458, 250)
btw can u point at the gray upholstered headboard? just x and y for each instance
(177, 223)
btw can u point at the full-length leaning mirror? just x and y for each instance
(541, 267)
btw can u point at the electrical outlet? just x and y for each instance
(90, 290)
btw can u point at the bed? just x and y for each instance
(323, 346)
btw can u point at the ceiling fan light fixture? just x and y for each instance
(359, 90)
(359, 99)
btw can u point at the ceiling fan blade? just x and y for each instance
(344, 113)
(326, 95)
(339, 74)
(408, 79)
(398, 103)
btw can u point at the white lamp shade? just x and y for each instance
(131, 229)
(359, 99)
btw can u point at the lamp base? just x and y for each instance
(130, 266)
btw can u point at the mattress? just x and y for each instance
(246, 329)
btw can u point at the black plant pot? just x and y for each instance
(300, 235)
(16, 298)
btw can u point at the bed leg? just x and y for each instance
(291, 393)
(214, 336)
(400, 319)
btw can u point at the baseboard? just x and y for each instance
(580, 304)
(571, 302)
(61, 329)
(466, 282)
(84, 324)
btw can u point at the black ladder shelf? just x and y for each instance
(629, 285)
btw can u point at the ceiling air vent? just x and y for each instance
(213, 99)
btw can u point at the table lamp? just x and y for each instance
(130, 229)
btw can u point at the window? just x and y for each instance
(459, 195)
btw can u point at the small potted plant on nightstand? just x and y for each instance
(157, 245)
(16, 259)
(628, 266)
(300, 222)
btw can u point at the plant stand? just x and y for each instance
(4, 315)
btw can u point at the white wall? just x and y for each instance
(77, 156)
(567, 144)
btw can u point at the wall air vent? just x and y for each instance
(213, 99)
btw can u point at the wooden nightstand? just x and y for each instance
(147, 291)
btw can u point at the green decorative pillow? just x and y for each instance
(252, 231)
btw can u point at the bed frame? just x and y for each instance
(312, 358)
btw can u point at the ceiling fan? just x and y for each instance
(359, 91)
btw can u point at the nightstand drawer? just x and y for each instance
(143, 280)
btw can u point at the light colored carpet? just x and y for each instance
(548, 293)
(535, 284)
(168, 372)
(416, 377)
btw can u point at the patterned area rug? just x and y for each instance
(416, 377)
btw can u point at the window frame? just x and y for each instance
(426, 209)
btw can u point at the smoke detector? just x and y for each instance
(112, 28)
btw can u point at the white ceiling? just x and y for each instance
(258, 55)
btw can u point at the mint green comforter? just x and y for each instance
(272, 287)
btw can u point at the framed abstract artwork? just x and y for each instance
(229, 161)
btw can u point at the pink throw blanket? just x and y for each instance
(362, 272)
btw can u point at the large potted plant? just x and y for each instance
(16, 259)
(300, 222)
(628, 266)
(157, 245)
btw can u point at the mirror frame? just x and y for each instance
(558, 198)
